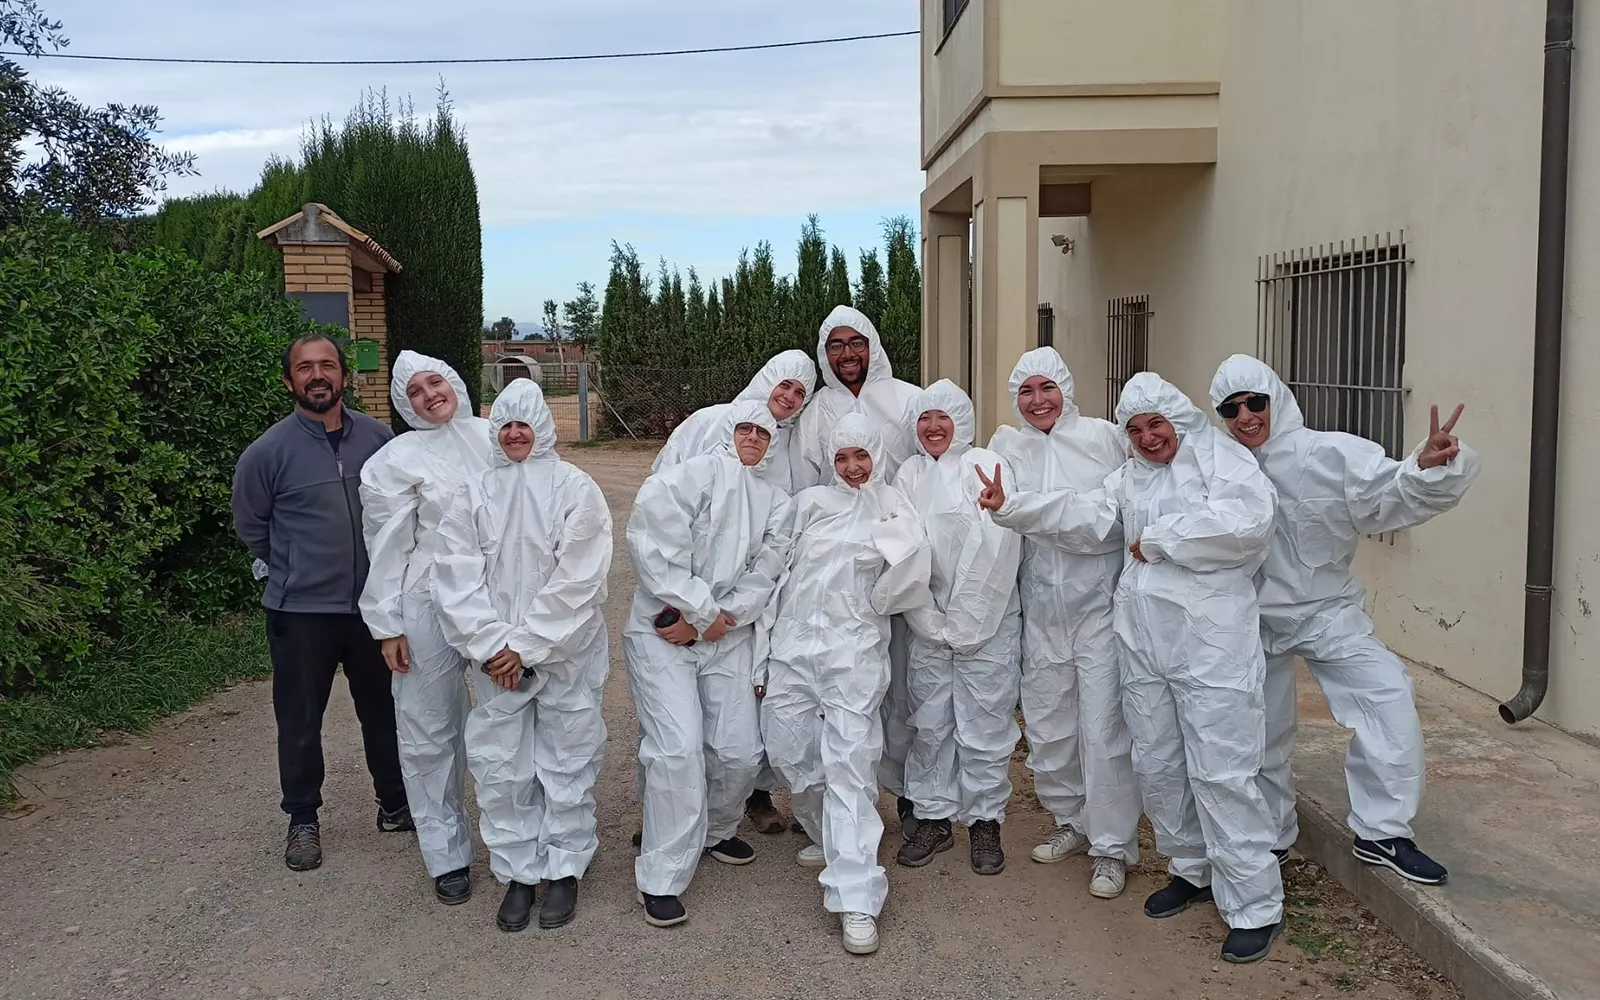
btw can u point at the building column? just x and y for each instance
(1005, 282)
(946, 338)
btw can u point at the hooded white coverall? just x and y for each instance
(405, 489)
(883, 398)
(708, 536)
(703, 434)
(859, 556)
(1078, 744)
(964, 671)
(1188, 634)
(1332, 489)
(523, 557)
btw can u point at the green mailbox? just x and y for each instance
(366, 355)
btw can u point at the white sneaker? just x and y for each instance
(860, 933)
(1064, 842)
(811, 856)
(1110, 878)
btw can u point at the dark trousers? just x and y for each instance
(306, 650)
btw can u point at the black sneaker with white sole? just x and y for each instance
(1249, 944)
(1401, 855)
(1179, 895)
(663, 911)
(1281, 853)
(732, 851)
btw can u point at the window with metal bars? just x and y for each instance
(1127, 344)
(1331, 321)
(1047, 325)
(952, 12)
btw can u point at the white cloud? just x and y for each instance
(825, 129)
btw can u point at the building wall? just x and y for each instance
(1066, 281)
(952, 75)
(1343, 120)
(1055, 43)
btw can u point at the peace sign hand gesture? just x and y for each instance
(993, 496)
(1441, 446)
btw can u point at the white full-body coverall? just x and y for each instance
(405, 489)
(703, 433)
(859, 556)
(523, 559)
(707, 537)
(1079, 748)
(1188, 636)
(965, 665)
(1332, 489)
(884, 399)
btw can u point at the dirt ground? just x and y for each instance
(151, 867)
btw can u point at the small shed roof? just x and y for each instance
(317, 223)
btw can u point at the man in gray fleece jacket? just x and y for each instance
(296, 506)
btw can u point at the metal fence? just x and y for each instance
(1127, 344)
(1331, 320)
(591, 401)
(647, 403)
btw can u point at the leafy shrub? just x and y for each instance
(129, 384)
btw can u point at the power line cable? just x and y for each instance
(486, 60)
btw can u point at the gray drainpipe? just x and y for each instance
(1550, 289)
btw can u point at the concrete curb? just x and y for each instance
(1421, 919)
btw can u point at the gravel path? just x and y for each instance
(151, 867)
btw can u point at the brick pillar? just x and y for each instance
(370, 322)
(314, 267)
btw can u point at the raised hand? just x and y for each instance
(1441, 446)
(993, 496)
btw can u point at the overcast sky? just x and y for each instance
(689, 157)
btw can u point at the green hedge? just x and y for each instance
(129, 384)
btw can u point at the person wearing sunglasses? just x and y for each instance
(1332, 489)
(857, 378)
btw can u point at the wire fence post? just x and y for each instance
(583, 402)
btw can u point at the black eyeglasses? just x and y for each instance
(855, 345)
(1255, 404)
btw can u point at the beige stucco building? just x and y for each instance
(1349, 189)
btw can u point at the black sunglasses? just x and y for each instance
(1255, 404)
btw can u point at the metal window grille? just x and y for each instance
(952, 10)
(1331, 320)
(1047, 325)
(1127, 344)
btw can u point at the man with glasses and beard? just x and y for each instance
(857, 378)
(297, 508)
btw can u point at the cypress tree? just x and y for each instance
(902, 313)
(838, 283)
(695, 320)
(871, 293)
(809, 300)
